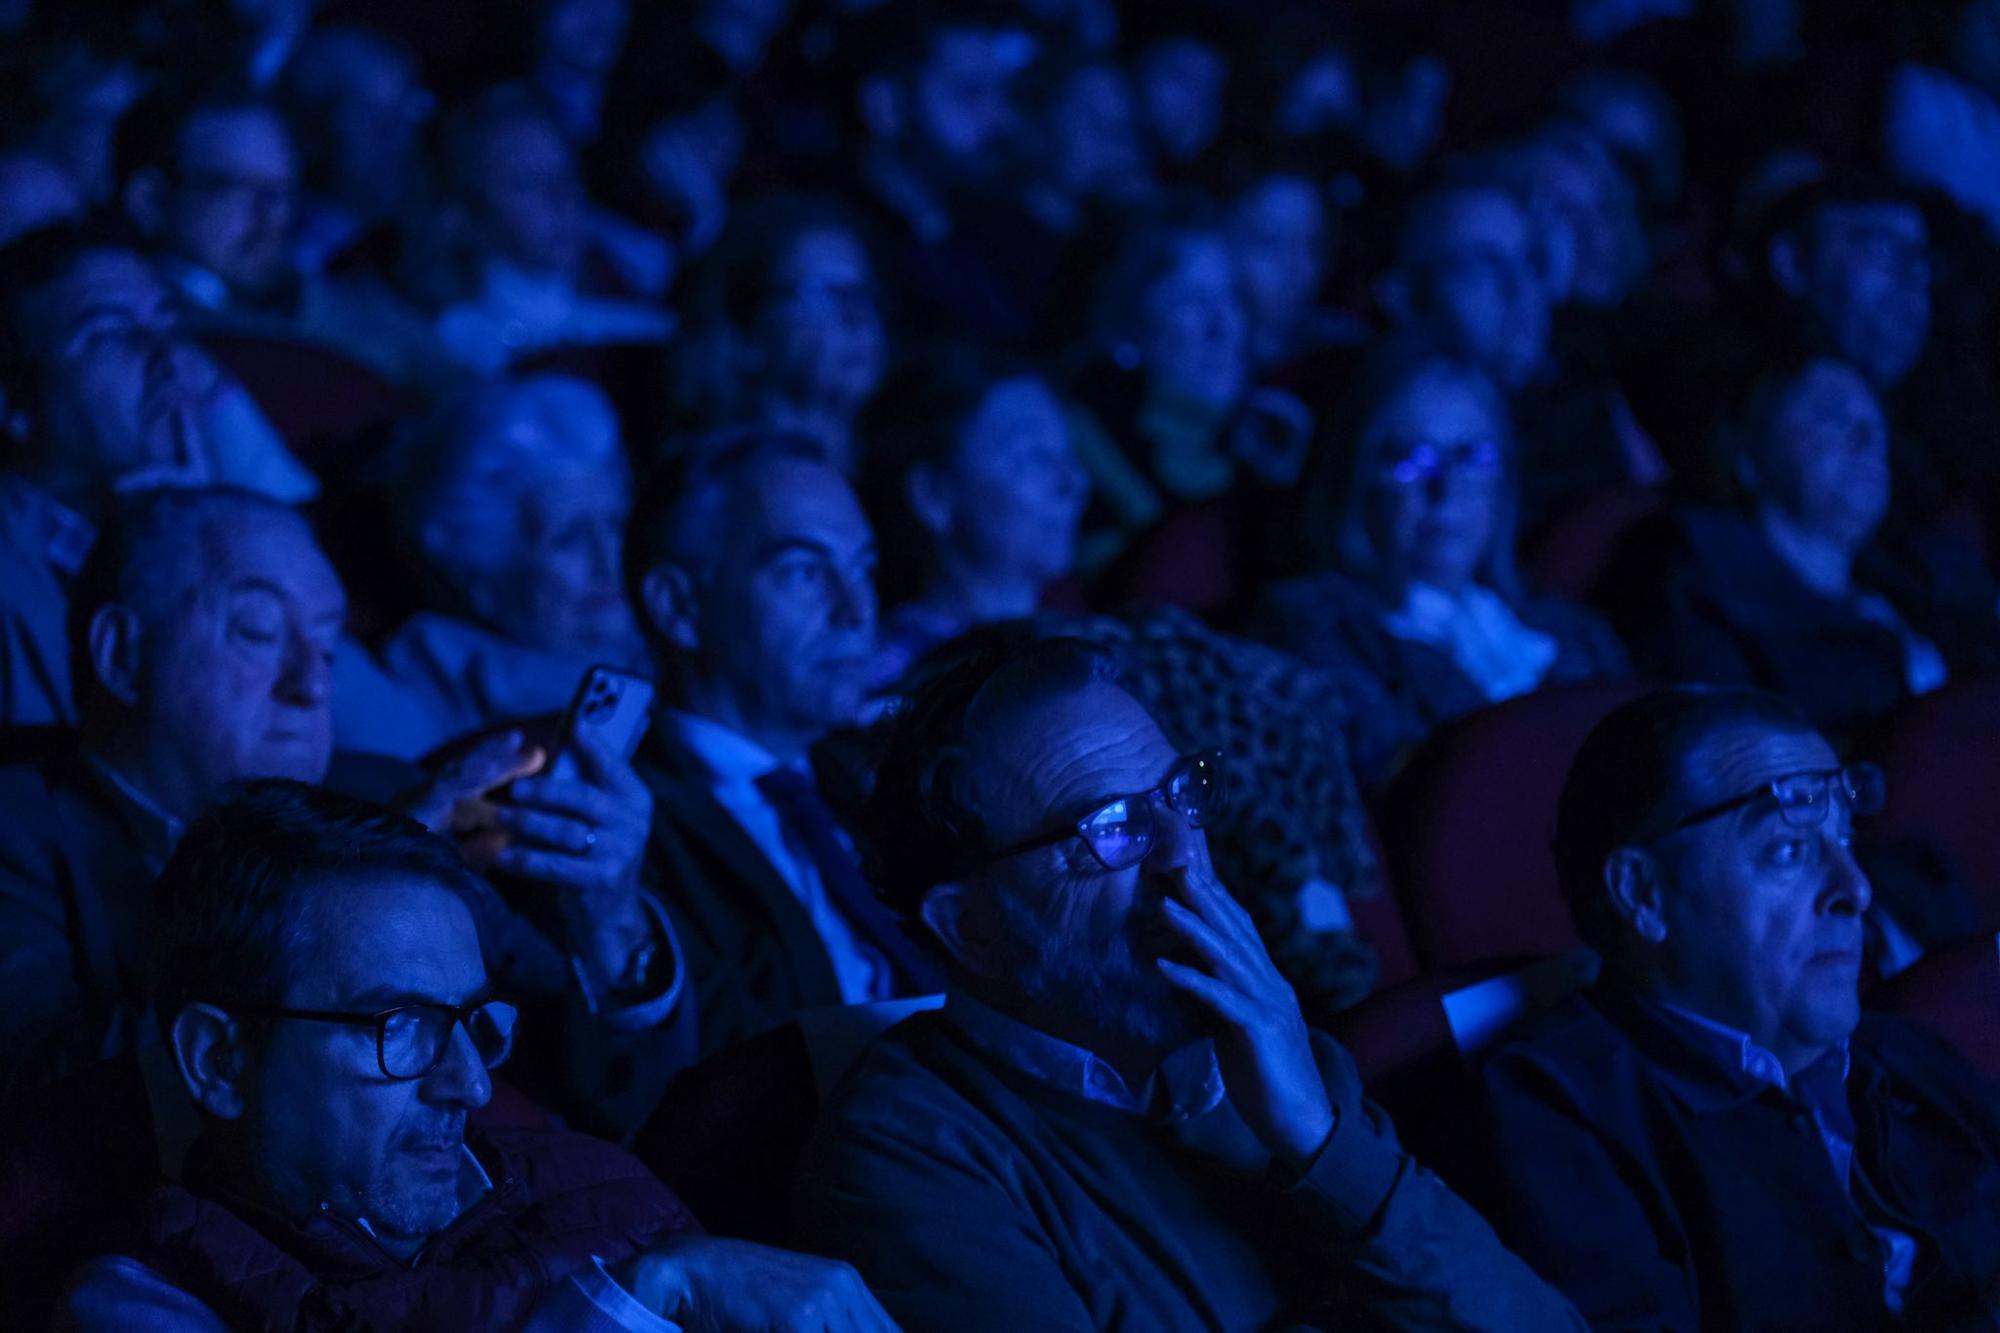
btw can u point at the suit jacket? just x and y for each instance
(752, 953)
(1702, 596)
(77, 863)
(1664, 1192)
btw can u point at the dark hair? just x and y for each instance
(1335, 489)
(920, 825)
(681, 498)
(149, 133)
(1630, 772)
(734, 281)
(1798, 211)
(230, 919)
(147, 556)
(900, 36)
(920, 417)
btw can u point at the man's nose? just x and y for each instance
(1176, 842)
(1847, 891)
(307, 678)
(460, 1079)
(853, 600)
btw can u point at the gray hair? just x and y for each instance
(472, 464)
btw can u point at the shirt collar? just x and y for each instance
(730, 757)
(1189, 1080)
(158, 830)
(59, 532)
(1738, 1050)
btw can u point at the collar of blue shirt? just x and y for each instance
(1187, 1084)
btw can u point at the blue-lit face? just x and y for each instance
(1763, 919)
(1438, 480)
(326, 1126)
(1085, 940)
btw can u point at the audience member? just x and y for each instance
(752, 568)
(210, 181)
(970, 476)
(70, 94)
(935, 115)
(1747, 1148)
(34, 193)
(1119, 1114)
(1181, 81)
(1282, 234)
(787, 325)
(517, 264)
(1169, 416)
(318, 983)
(1411, 509)
(513, 503)
(201, 635)
(358, 107)
(577, 44)
(1795, 590)
(101, 394)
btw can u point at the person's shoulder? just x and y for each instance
(1915, 1055)
(919, 1085)
(117, 1292)
(553, 1163)
(40, 771)
(1575, 1045)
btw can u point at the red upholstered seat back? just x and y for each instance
(1942, 754)
(1469, 822)
(1569, 556)
(325, 405)
(1956, 995)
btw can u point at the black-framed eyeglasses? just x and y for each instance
(411, 1039)
(1120, 832)
(1803, 798)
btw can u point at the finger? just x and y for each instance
(559, 868)
(1198, 888)
(604, 767)
(491, 764)
(1205, 939)
(562, 796)
(560, 832)
(1206, 990)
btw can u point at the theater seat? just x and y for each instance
(1570, 554)
(1942, 756)
(728, 1132)
(1955, 995)
(1413, 1044)
(328, 407)
(1469, 821)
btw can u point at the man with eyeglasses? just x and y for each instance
(1118, 1118)
(320, 989)
(1716, 1136)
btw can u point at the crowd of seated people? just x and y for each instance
(908, 575)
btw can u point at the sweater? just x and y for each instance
(971, 1195)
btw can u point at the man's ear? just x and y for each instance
(209, 1052)
(1787, 264)
(880, 103)
(146, 200)
(1633, 881)
(963, 924)
(667, 600)
(116, 643)
(924, 490)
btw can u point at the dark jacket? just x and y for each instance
(972, 1196)
(1701, 596)
(1664, 1191)
(1333, 622)
(753, 954)
(559, 1200)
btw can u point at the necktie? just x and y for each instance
(805, 816)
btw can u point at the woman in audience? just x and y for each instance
(1796, 587)
(1410, 515)
(513, 506)
(786, 327)
(1170, 416)
(976, 496)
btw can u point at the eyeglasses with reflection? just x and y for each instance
(1419, 461)
(1803, 799)
(1121, 832)
(411, 1039)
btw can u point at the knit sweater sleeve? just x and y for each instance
(1407, 1248)
(938, 1237)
